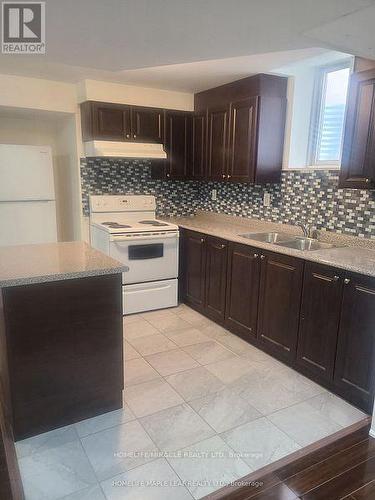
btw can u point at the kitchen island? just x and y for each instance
(60, 335)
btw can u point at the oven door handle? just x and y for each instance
(146, 236)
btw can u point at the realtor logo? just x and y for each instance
(23, 28)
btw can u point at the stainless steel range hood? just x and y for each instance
(117, 149)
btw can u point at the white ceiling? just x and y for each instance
(190, 44)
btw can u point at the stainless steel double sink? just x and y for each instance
(288, 240)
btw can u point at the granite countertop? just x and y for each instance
(352, 254)
(27, 264)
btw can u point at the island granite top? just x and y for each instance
(28, 264)
(351, 254)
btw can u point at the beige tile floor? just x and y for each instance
(201, 409)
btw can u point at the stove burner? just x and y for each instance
(115, 225)
(153, 223)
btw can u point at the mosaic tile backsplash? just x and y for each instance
(300, 197)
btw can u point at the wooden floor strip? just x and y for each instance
(335, 465)
(344, 484)
(341, 466)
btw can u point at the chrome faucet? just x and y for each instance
(308, 230)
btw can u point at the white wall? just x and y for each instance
(35, 93)
(129, 94)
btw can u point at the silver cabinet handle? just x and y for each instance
(229, 176)
(346, 281)
(222, 246)
(223, 176)
(135, 136)
(336, 278)
(256, 256)
(128, 136)
(202, 240)
(168, 175)
(262, 257)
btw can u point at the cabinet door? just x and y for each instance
(279, 304)
(199, 131)
(194, 251)
(177, 143)
(319, 320)
(242, 290)
(217, 143)
(355, 367)
(111, 122)
(147, 124)
(216, 273)
(243, 139)
(358, 160)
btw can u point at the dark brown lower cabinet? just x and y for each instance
(279, 304)
(61, 347)
(242, 290)
(319, 320)
(354, 375)
(216, 277)
(194, 268)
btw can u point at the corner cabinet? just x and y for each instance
(197, 170)
(204, 263)
(318, 319)
(358, 159)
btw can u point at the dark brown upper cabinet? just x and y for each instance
(319, 320)
(279, 304)
(118, 122)
(242, 140)
(245, 129)
(242, 290)
(197, 167)
(354, 374)
(358, 158)
(217, 137)
(178, 144)
(105, 121)
(147, 124)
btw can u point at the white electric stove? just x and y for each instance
(126, 228)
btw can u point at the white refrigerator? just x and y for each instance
(27, 195)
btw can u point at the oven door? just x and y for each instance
(150, 257)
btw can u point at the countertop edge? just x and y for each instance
(299, 254)
(50, 278)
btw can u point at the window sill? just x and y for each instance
(311, 168)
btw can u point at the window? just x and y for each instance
(328, 115)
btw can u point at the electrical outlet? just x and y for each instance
(214, 195)
(267, 199)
